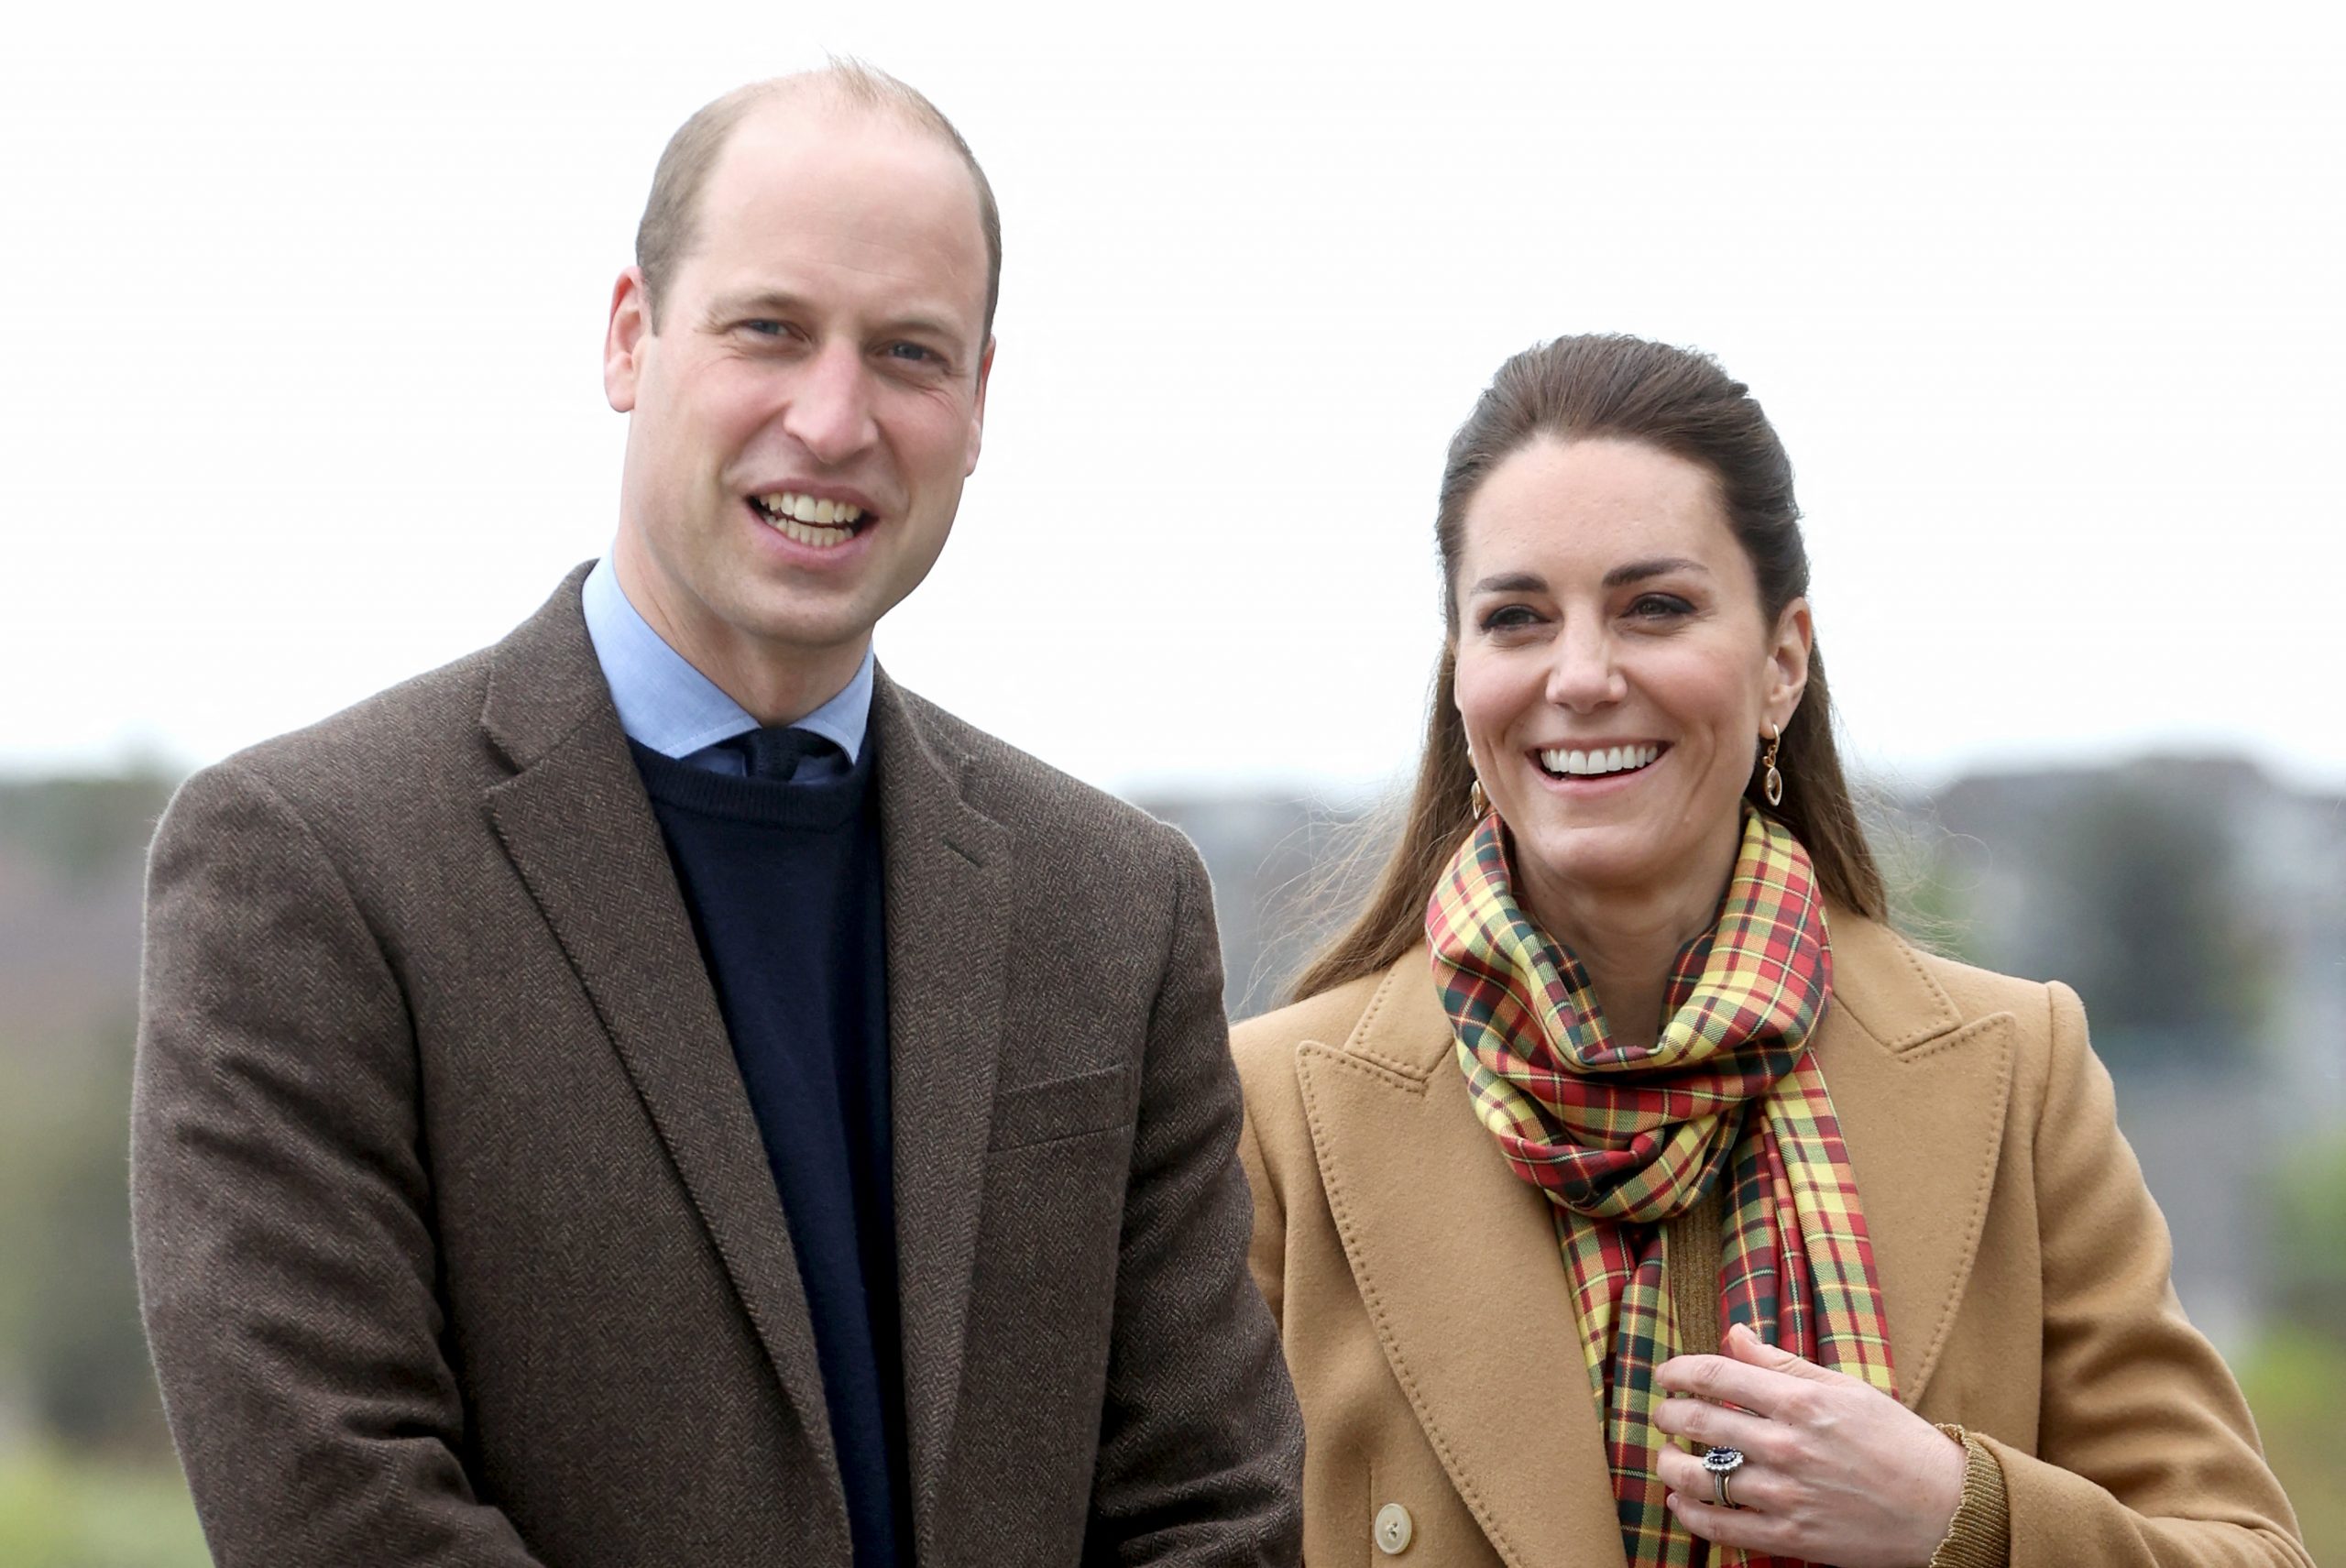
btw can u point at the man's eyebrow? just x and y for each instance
(777, 302)
(768, 301)
(1638, 571)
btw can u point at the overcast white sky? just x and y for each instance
(305, 309)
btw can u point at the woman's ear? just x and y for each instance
(1788, 652)
(1446, 687)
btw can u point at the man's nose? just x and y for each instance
(830, 413)
(1584, 675)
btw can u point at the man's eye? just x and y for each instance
(913, 352)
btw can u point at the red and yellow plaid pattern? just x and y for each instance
(1622, 1135)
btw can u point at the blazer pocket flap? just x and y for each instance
(1062, 1107)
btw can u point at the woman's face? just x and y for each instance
(1617, 671)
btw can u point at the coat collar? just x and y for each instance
(575, 823)
(544, 684)
(1921, 1096)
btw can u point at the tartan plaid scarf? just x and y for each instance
(1622, 1135)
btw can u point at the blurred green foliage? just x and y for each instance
(2295, 1378)
(2296, 1382)
(71, 1347)
(61, 1512)
(2308, 1286)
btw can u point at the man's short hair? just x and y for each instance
(672, 215)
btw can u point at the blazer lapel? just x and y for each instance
(575, 823)
(1464, 1279)
(1921, 1096)
(948, 921)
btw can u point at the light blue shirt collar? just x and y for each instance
(668, 706)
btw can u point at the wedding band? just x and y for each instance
(1722, 1462)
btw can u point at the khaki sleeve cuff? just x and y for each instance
(1980, 1534)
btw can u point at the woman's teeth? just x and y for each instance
(1587, 764)
(821, 523)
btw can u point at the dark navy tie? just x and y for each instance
(781, 754)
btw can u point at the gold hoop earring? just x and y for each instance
(1771, 783)
(1477, 800)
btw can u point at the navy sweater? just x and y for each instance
(783, 884)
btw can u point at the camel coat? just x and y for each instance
(1424, 1311)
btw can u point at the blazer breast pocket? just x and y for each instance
(1034, 1113)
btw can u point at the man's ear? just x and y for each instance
(1795, 636)
(624, 339)
(978, 409)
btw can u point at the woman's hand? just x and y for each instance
(1835, 1469)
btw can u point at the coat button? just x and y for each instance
(1394, 1528)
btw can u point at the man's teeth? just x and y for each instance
(806, 509)
(1612, 760)
(811, 520)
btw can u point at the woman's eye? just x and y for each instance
(1509, 618)
(1658, 607)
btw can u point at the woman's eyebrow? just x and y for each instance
(1619, 577)
(1511, 583)
(1638, 571)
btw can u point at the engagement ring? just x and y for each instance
(1723, 1462)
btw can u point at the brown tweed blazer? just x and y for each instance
(2023, 1267)
(456, 1239)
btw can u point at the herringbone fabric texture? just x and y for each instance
(1621, 1136)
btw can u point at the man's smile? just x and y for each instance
(817, 521)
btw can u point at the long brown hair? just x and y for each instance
(1681, 402)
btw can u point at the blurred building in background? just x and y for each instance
(2199, 909)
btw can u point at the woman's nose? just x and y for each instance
(1584, 675)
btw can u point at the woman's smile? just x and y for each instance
(1588, 765)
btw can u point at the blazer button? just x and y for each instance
(1394, 1528)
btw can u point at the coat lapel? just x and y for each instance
(948, 921)
(1463, 1277)
(1921, 1095)
(575, 823)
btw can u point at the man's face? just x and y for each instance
(806, 412)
